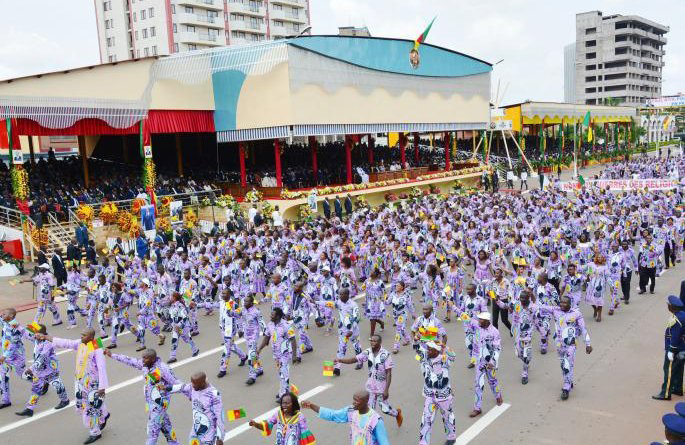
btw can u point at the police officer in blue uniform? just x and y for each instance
(673, 344)
(674, 425)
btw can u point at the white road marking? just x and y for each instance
(482, 423)
(133, 380)
(246, 426)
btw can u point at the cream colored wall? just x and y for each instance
(265, 100)
(349, 105)
(172, 95)
(124, 81)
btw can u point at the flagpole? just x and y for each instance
(575, 146)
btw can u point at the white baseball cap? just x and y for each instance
(145, 281)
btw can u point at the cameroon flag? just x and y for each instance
(235, 414)
(328, 369)
(33, 327)
(266, 428)
(95, 344)
(307, 438)
(424, 35)
(155, 376)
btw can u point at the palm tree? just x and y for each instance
(611, 101)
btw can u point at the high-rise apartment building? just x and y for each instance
(618, 57)
(129, 29)
(570, 73)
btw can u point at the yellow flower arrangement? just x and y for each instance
(85, 213)
(190, 219)
(108, 213)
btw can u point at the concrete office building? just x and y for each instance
(131, 29)
(618, 57)
(353, 31)
(570, 73)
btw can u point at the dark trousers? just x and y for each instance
(673, 377)
(510, 183)
(524, 181)
(647, 274)
(669, 254)
(625, 285)
(555, 283)
(496, 312)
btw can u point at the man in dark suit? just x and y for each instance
(338, 207)
(91, 255)
(82, 235)
(74, 252)
(327, 208)
(58, 268)
(181, 240)
(348, 205)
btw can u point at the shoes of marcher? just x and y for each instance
(112, 346)
(308, 350)
(250, 381)
(44, 389)
(399, 418)
(196, 353)
(242, 361)
(221, 374)
(172, 360)
(450, 441)
(57, 324)
(524, 380)
(140, 348)
(104, 422)
(336, 372)
(471, 365)
(642, 292)
(474, 413)
(162, 339)
(26, 413)
(358, 366)
(62, 404)
(260, 373)
(677, 393)
(5, 405)
(92, 439)
(564, 394)
(661, 397)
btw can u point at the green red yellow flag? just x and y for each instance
(266, 428)
(33, 327)
(294, 389)
(95, 344)
(328, 369)
(422, 38)
(307, 438)
(235, 414)
(155, 376)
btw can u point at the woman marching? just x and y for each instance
(289, 424)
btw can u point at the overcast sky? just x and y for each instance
(47, 35)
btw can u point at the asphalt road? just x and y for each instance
(611, 401)
(611, 398)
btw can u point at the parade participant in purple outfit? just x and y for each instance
(486, 350)
(229, 312)
(366, 426)
(471, 305)
(253, 326)
(572, 285)
(380, 365)
(208, 413)
(435, 363)
(523, 315)
(13, 354)
(121, 301)
(180, 326)
(146, 315)
(73, 287)
(297, 310)
(91, 380)
(157, 377)
(545, 293)
(375, 300)
(424, 325)
(281, 335)
(399, 300)
(348, 325)
(569, 326)
(45, 283)
(597, 282)
(43, 373)
(288, 424)
(615, 267)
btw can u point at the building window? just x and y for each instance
(153, 32)
(278, 23)
(591, 56)
(192, 46)
(109, 59)
(175, 28)
(590, 31)
(142, 14)
(173, 8)
(136, 35)
(238, 34)
(189, 9)
(145, 33)
(146, 51)
(151, 12)
(104, 6)
(190, 28)
(106, 24)
(277, 7)
(135, 17)
(154, 50)
(296, 27)
(175, 47)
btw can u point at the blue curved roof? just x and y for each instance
(392, 55)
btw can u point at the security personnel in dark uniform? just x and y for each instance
(673, 344)
(674, 429)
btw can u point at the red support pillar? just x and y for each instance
(241, 153)
(277, 159)
(315, 163)
(447, 151)
(371, 147)
(416, 149)
(403, 143)
(348, 158)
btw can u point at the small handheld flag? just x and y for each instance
(307, 438)
(155, 376)
(95, 344)
(33, 327)
(328, 369)
(236, 414)
(266, 428)
(294, 389)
